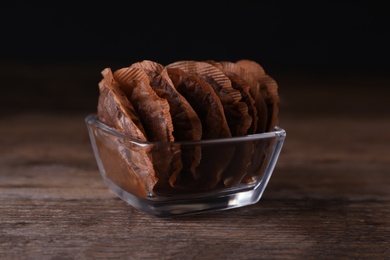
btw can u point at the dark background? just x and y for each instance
(51, 56)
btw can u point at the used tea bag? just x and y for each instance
(268, 88)
(153, 110)
(186, 123)
(243, 69)
(209, 109)
(240, 83)
(236, 111)
(204, 101)
(243, 154)
(115, 110)
(156, 119)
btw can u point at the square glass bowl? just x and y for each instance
(178, 178)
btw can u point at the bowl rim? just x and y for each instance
(92, 120)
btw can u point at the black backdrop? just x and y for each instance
(298, 37)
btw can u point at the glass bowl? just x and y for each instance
(178, 178)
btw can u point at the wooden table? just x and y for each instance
(328, 198)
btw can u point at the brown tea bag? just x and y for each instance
(244, 69)
(268, 88)
(251, 66)
(157, 122)
(239, 82)
(239, 164)
(115, 110)
(186, 123)
(209, 109)
(153, 110)
(204, 101)
(236, 112)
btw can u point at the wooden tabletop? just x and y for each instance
(328, 197)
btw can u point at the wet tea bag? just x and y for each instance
(208, 106)
(236, 111)
(156, 119)
(204, 101)
(116, 111)
(268, 88)
(186, 123)
(239, 82)
(243, 153)
(153, 110)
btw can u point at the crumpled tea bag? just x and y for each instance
(208, 106)
(157, 121)
(236, 111)
(116, 111)
(268, 89)
(186, 123)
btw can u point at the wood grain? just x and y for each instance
(328, 198)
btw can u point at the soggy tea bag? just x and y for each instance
(240, 83)
(115, 110)
(157, 122)
(204, 101)
(236, 111)
(209, 109)
(243, 154)
(243, 69)
(186, 123)
(153, 110)
(268, 88)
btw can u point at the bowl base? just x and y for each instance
(180, 207)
